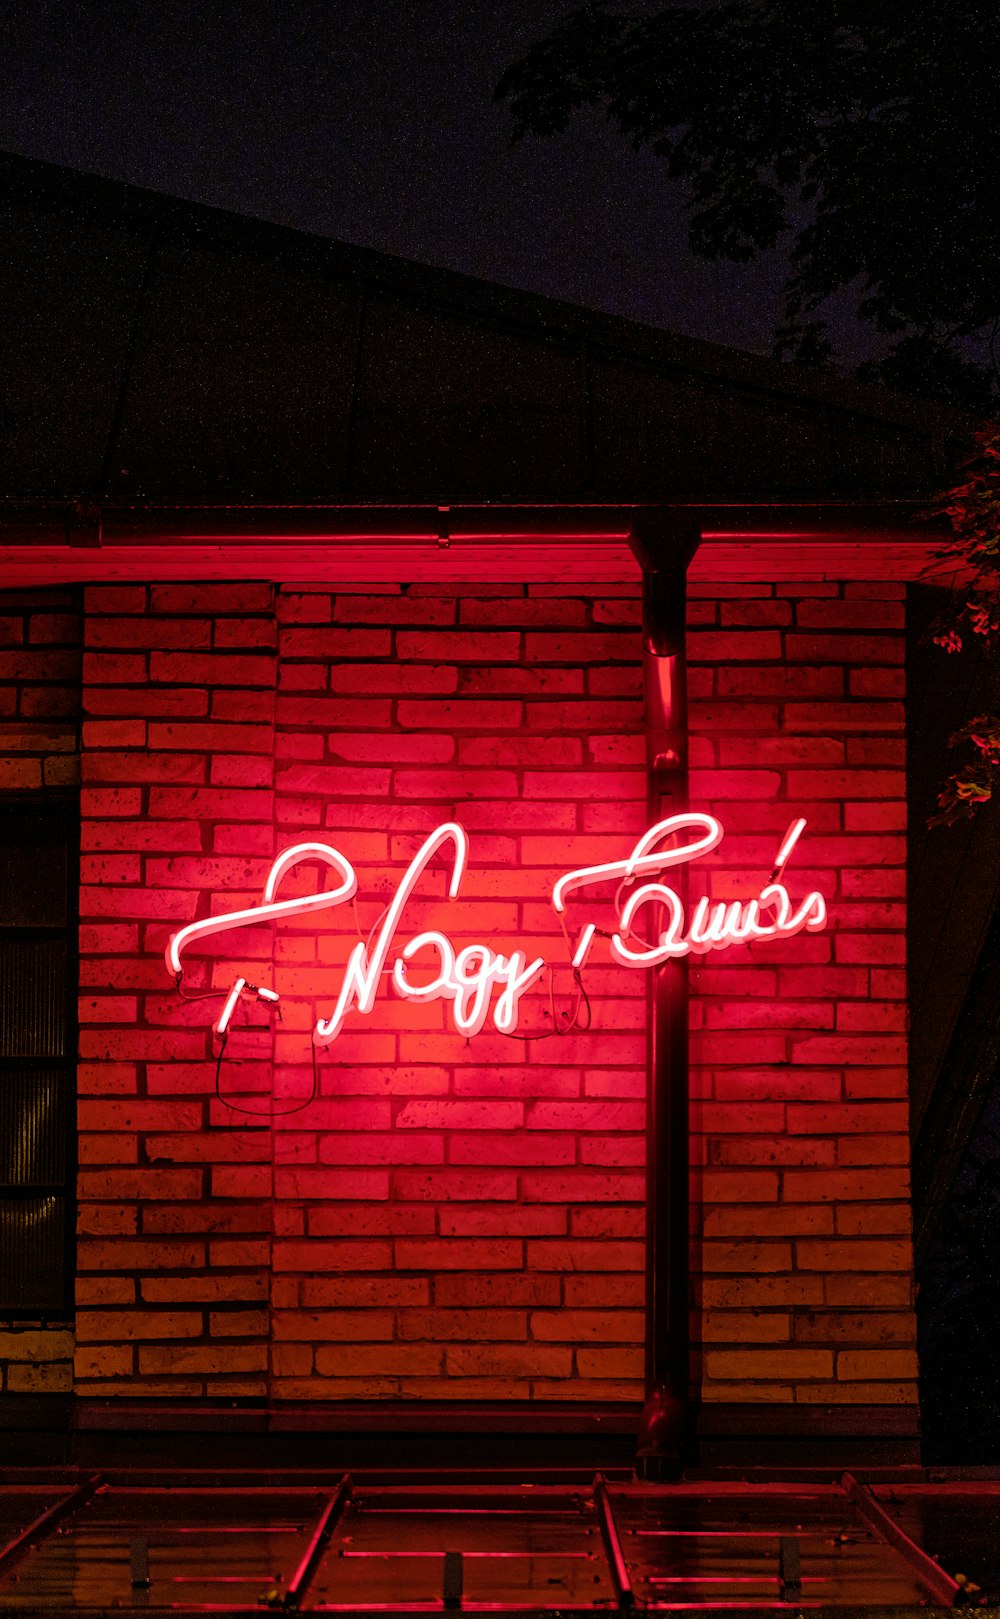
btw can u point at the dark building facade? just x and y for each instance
(304, 548)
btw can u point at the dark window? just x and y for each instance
(38, 869)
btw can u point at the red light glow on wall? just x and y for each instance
(467, 976)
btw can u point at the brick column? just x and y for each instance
(801, 1145)
(177, 810)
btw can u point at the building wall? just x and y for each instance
(801, 1144)
(444, 1219)
(448, 1220)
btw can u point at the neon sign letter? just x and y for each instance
(714, 925)
(467, 978)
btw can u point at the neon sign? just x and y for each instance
(468, 978)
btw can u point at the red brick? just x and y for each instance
(850, 615)
(777, 682)
(455, 784)
(757, 1258)
(108, 1325)
(743, 1364)
(531, 1360)
(114, 734)
(844, 1185)
(834, 717)
(457, 1254)
(584, 716)
(39, 665)
(500, 1220)
(342, 1326)
(445, 1185)
(244, 633)
(876, 817)
(746, 1327)
(513, 1149)
(876, 750)
(42, 701)
(189, 701)
(514, 750)
(181, 1358)
(780, 1220)
(877, 683)
(144, 767)
(210, 803)
(856, 1254)
(781, 750)
(209, 669)
(457, 1290)
(17, 774)
(204, 1289)
(366, 609)
(146, 633)
(332, 1256)
(845, 649)
(238, 1323)
(463, 1325)
(759, 613)
(136, 1256)
(114, 599)
(850, 1048)
(109, 668)
(881, 1219)
(880, 1149)
(479, 646)
(878, 784)
(244, 705)
(239, 770)
(364, 1291)
(139, 835)
(389, 750)
(519, 610)
(211, 738)
(328, 643)
(735, 646)
(585, 1255)
(735, 1186)
(869, 1292)
(235, 596)
(761, 1292)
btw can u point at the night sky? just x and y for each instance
(370, 121)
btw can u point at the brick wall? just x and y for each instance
(177, 808)
(453, 1220)
(39, 690)
(443, 1219)
(799, 1047)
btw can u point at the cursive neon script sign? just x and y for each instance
(481, 982)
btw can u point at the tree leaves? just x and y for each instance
(973, 510)
(870, 134)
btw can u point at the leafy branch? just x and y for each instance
(973, 510)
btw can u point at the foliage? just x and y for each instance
(868, 133)
(973, 510)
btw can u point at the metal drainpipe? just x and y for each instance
(664, 1429)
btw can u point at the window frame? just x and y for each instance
(64, 809)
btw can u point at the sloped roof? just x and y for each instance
(158, 351)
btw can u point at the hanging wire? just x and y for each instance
(199, 995)
(269, 1112)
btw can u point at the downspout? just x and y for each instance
(665, 1426)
